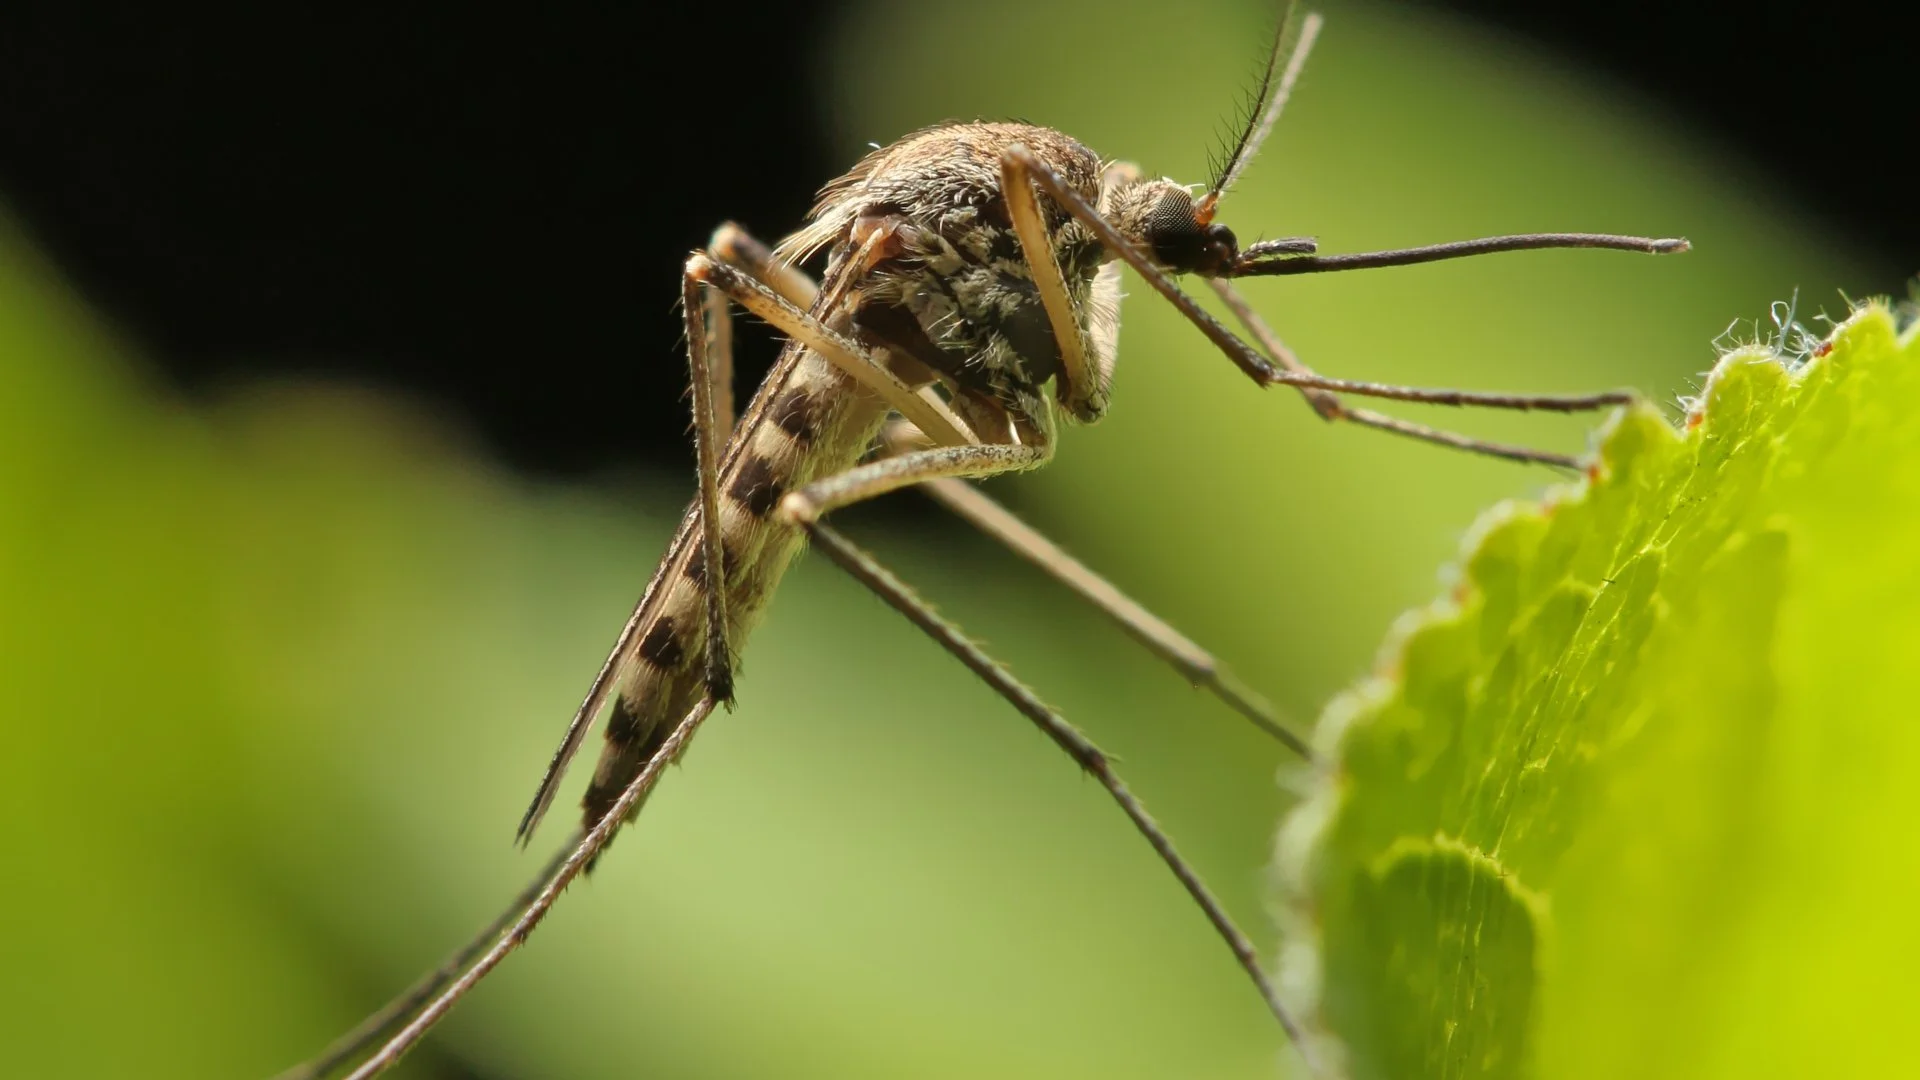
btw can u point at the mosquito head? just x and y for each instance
(1178, 230)
(1163, 219)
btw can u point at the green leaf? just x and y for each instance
(1637, 797)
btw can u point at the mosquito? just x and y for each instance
(969, 306)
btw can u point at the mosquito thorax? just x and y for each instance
(943, 280)
(1163, 219)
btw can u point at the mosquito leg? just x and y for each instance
(804, 508)
(1083, 393)
(929, 415)
(710, 358)
(707, 442)
(734, 246)
(1330, 407)
(430, 1000)
(1090, 757)
(1195, 663)
(739, 249)
(710, 366)
(1020, 162)
(377, 1027)
(718, 317)
(863, 482)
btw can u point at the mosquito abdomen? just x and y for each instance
(811, 423)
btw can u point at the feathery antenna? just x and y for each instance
(1269, 100)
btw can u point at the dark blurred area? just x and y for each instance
(487, 210)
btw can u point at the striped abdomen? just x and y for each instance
(807, 421)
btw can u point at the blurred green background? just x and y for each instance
(280, 674)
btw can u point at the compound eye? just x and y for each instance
(1174, 232)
